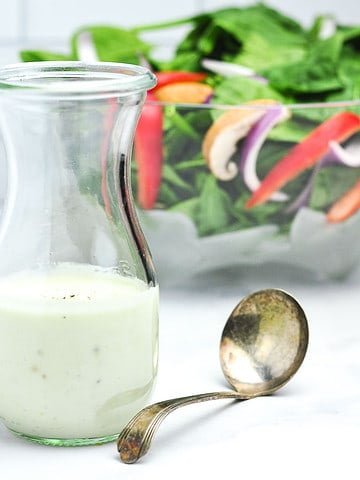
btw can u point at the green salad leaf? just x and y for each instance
(330, 184)
(170, 175)
(215, 207)
(294, 130)
(189, 207)
(43, 56)
(224, 33)
(113, 44)
(238, 90)
(260, 54)
(317, 72)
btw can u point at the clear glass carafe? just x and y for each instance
(78, 295)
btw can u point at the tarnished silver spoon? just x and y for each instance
(262, 346)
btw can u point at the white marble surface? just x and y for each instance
(309, 430)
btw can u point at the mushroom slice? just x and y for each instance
(220, 140)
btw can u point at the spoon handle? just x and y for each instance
(135, 440)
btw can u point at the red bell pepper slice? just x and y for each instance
(164, 78)
(148, 147)
(149, 139)
(346, 206)
(305, 154)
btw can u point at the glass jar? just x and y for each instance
(78, 294)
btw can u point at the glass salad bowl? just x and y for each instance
(224, 186)
(248, 149)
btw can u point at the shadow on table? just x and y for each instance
(261, 276)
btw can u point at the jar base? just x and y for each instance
(65, 442)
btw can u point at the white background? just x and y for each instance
(47, 24)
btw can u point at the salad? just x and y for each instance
(253, 118)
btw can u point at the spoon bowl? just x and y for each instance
(263, 342)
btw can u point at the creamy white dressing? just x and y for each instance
(78, 350)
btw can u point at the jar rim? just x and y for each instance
(75, 78)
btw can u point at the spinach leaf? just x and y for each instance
(349, 69)
(43, 55)
(215, 208)
(238, 90)
(330, 183)
(351, 36)
(260, 19)
(180, 122)
(181, 146)
(293, 130)
(189, 207)
(197, 161)
(200, 180)
(223, 33)
(268, 213)
(167, 196)
(259, 215)
(169, 175)
(316, 73)
(208, 39)
(188, 61)
(260, 54)
(113, 44)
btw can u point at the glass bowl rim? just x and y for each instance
(249, 106)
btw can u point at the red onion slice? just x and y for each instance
(208, 99)
(253, 143)
(228, 69)
(303, 199)
(350, 157)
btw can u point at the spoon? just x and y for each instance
(262, 346)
